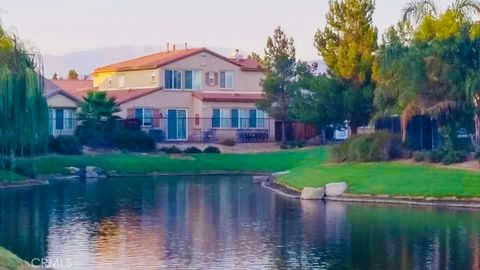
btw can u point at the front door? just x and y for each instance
(176, 124)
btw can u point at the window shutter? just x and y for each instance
(234, 116)
(216, 118)
(253, 118)
(156, 118)
(130, 113)
(216, 79)
(207, 78)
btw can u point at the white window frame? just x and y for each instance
(194, 72)
(173, 79)
(226, 87)
(144, 115)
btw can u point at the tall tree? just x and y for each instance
(417, 10)
(348, 44)
(55, 76)
(278, 85)
(72, 74)
(23, 107)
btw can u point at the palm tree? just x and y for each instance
(97, 106)
(417, 10)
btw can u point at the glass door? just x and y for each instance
(176, 124)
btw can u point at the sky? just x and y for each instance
(62, 26)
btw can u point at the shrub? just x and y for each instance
(435, 156)
(171, 150)
(132, 140)
(211, 150)
(158, 135)
(192, 150)
(295, 144)
(420, 156)
(453, 156)
(65, 145)
(477, 155)
(229, 142)
(377, 146)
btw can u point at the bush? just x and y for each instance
(435, 156)
(171, 150)
(158, 135)
(65, 145)
(132, 140)
(192, 150)
(295, 144)
(377, 146)
(477, 155)
(453, 156)
(211, 150)
(420, 156)
(229, 142)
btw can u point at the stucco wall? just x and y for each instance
(60, 101)
(132, 79)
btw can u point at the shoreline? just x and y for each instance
(277, 187)
(445, 202)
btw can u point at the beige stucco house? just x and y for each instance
(63, 103)
(190, 94)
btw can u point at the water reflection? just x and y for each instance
(226, 222)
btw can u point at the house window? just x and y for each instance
(173, 79)
(256, 118)
(121, 81)
(193, 79)
(61, 119)
(145, 116)
(221, 118)
(239, 118)
(226, 80)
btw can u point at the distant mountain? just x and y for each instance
(84, 62)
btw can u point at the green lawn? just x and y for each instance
(389, 178)
(9, 261)
(6, 176)
(308, 168)
(133, 163)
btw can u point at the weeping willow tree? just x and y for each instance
(23, 107)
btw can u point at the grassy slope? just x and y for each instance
(11, 262)
(6, 176)
(389, 178)
(131, 163)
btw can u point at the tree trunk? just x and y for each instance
(284, 133)
(477, 132)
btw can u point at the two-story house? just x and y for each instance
(188, 93)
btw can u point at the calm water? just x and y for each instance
(224, 223)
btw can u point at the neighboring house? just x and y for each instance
(189, 94)
(62, 103)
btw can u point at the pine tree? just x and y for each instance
(348, 45)
(72, 74)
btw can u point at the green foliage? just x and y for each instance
(65, 145)
(72, 74)
(192, 150)
(319, 101)
(171, 150)
(132, 140)
(23, 108)
(278, 86)
(211, 150)
(418, 10)
(348, 45)
(349, 41)
(378, 146)
(420, 156)
(447, 26)
(96, 115)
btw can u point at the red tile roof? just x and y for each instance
(229, 97)
(122, 96)
(73, 86)
(159, 59)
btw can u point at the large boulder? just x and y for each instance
(312, 193)
(335, 189)
(93, 172)
(258, 179)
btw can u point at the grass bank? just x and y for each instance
(135, 163)
(9, 261)
(7, 177)
(389, 178)
(308, 168)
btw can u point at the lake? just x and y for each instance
(225, 222)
